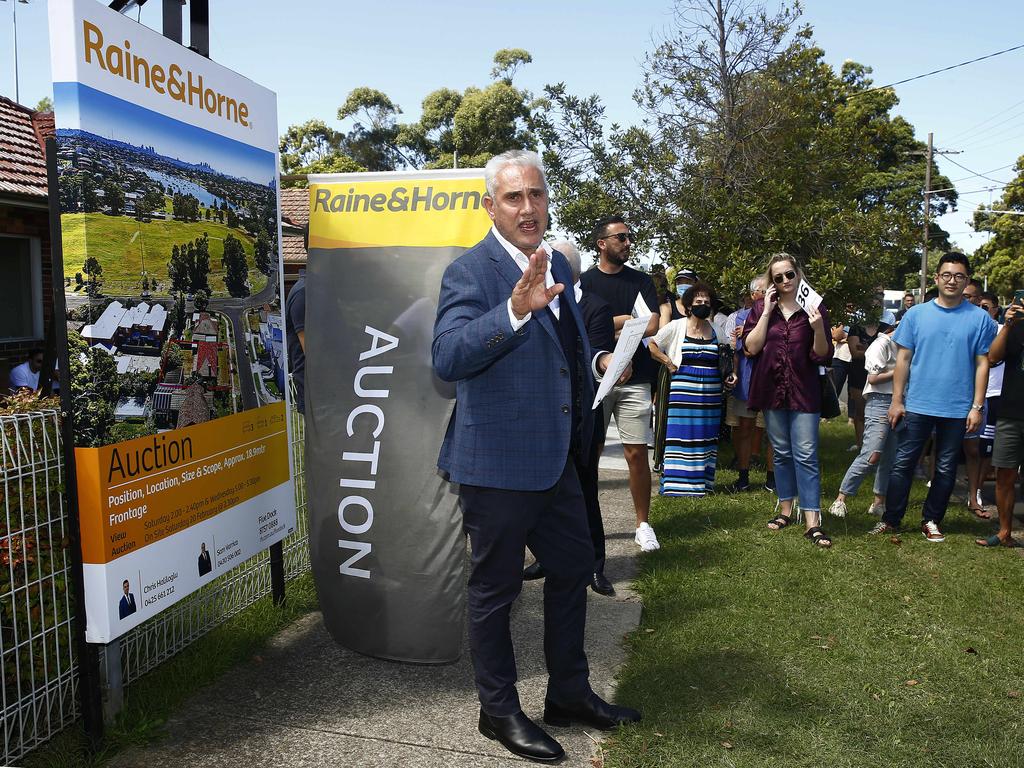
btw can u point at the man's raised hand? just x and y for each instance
(531, 294)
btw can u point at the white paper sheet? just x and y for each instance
(807, 297)
(629, 339)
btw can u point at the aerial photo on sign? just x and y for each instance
(170, 267)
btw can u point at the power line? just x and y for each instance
(982, 175)
(974, 175)
(937, 71)
(958, 136)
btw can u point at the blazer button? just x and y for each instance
(565, 409)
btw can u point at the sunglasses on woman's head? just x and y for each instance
(784, 276)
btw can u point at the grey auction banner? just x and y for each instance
(385, 538)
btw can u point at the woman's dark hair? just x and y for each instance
(693, 290)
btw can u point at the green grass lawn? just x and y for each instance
(756, 649)
(120, 242)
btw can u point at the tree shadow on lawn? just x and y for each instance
(708, 697)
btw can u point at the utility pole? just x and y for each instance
(927, 217)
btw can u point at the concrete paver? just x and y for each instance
(305, 701)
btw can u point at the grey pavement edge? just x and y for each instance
(305, 701)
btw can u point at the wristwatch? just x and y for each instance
(977, 407)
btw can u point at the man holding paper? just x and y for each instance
(630, 293)
(512, 338)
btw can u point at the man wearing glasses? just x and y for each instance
(619, 285)
(25, 377)
(942, 350)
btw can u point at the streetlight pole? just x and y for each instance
(927, 217)
(14, 18)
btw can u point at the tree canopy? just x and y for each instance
(1001, 259)
(751, 144)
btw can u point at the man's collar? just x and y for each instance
(512, 250)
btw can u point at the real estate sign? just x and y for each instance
(167, 175)
(386, 542)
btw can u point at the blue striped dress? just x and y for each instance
(694, 413)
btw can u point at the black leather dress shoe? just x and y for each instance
(521, 736)
(600, 584)
(533, 571)
(593, 711)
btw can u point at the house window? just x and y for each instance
(21, 290)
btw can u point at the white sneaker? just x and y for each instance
(838, 508)
(931, 532)
(646, 539)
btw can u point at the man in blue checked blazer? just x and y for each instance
(513, 341)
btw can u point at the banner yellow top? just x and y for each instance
(407, 209)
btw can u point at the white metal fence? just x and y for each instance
(39, 672)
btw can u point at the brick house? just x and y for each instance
(26, 303)
(294, 223)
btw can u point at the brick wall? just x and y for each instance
(30, 222)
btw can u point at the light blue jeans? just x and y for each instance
(794, 436)
(877, 437)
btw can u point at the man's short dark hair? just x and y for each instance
(35, 351)
(601, 226)
(991, 297)
(954, 257)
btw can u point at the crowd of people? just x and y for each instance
(526, 335)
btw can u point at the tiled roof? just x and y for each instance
(292, 249)
(295, 206)
(22, 149)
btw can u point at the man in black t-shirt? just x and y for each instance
(619, 286)
(295, 320)
(1008, 452)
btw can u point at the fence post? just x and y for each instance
(88, 654)
(113, 680)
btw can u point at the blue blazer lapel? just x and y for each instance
(509, 271)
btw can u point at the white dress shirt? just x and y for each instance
(523, 261)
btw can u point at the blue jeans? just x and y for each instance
(794, 437)
(913, 432)
(877, 437)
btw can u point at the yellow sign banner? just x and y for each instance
(138, 492)
(397, 212)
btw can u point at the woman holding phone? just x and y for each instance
(789, 344)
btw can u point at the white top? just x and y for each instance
(995, 378)
(22, 376)
(670, 339)
(880, 357)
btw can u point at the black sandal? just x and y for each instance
(780, 521)
(817, 537)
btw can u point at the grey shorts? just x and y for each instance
(737, 409)
(631, 404)
(1008, 452)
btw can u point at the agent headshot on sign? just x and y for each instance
(205, 566)
(127, 605)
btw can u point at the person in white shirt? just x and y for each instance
(990, 303)
(25, 377)
(879, 445)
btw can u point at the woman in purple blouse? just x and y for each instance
(788, 345)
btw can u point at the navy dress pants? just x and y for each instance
(553, 523)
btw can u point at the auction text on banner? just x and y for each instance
(164, 506)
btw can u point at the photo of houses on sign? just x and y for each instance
(170, 250)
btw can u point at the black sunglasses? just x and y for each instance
(784, 276)
(621, 237)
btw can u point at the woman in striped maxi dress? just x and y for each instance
(690, 350)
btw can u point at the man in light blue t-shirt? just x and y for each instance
(939, 384)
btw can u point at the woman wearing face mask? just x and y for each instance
(689, 349)
(789, 345)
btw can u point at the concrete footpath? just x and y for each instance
(305, 701)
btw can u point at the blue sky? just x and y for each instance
(89, 109)
(313, 52)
